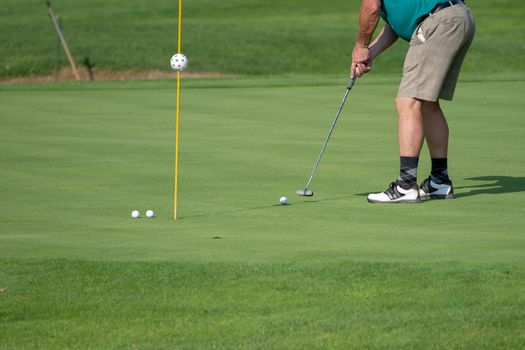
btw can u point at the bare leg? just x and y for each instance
(436, 129)
(410, 137)
(410, 126)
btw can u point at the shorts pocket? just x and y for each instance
(424, 31)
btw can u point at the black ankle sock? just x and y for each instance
(408, 172)
(439, 173)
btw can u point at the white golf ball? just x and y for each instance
(135, 214)
(283, 200)
(150, 213)
(179, 62)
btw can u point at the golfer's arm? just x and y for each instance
(383, 41)
(368, 19)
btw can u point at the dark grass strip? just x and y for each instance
(78, 304)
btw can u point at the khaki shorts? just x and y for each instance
(437, 49)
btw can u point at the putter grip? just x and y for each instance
(351, 82)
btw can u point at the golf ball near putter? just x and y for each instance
(179, 62)
(135, 214)
(283, 200)
(150, 213)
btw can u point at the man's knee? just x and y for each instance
(408, 105)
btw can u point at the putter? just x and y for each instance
(307, 192)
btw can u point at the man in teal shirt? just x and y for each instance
(440, 33)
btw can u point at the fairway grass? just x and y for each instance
(238, 270)
(57, 304)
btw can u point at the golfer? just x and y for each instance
(440, 33)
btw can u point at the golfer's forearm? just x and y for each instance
(383, 41)
(368, 19)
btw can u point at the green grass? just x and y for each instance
(271, 306)
(237, 270)
(328, 272)
(234, 36)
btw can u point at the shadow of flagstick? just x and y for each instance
(235, 211)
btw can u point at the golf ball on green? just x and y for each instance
(150, 213)
(283, 200)
(135, 214)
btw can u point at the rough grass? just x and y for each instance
(74, 304)
(242, 37)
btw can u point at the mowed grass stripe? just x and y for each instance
(68, 303)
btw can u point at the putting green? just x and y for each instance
(78, 160)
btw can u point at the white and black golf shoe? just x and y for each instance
(395, 194)
(430, 189)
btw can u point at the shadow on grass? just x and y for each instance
(299, 202)
(495, 185)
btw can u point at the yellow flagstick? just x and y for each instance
(176, 190)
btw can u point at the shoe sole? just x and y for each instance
(437, 196)
(406, 201)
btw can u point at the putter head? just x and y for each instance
(305, 193)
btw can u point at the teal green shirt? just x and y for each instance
(405, 15)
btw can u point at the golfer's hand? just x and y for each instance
(359, 69)
(361, 62)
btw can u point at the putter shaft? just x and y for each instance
(318, 160)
